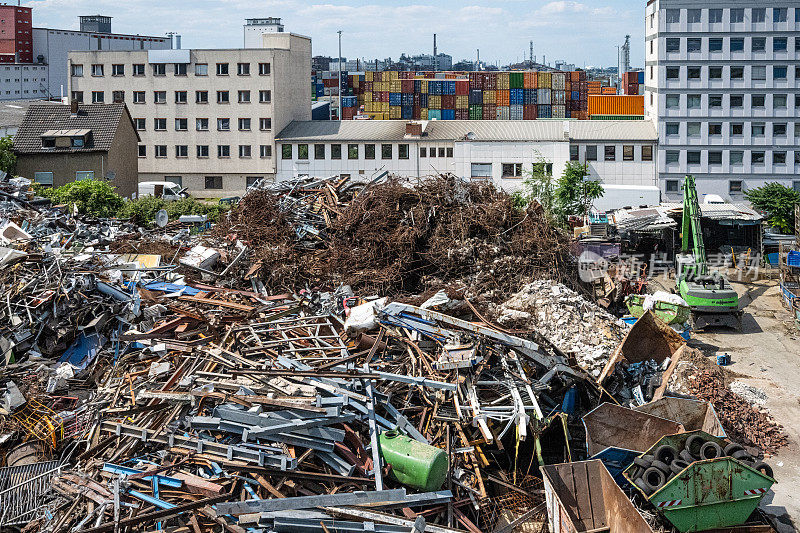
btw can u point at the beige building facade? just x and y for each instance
(207, 119)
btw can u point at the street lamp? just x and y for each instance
(340, 74)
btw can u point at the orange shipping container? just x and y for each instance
(616, 105)
(529, 82)
(503, 97)
(608, 90)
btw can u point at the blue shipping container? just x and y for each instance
(475, 97)
(423, 100)
(434, 114)
(641, 77)
(417, 86)
(434, 87)
(407, 112)
(395, 99)
(515, 97)
(447, 114)
(575, 95)
(448, 87)
(529, 96)
(545, 111)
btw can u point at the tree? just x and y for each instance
(778, 202)
(537, 185)
(90, 197)
(8, 159)
(574, 193)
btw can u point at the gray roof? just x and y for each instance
(13, 111)
(102, 119)
(484, 130)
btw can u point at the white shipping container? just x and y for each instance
(558, 97)
(559, 111)
(543, 96)
(516, 112)
(503, 112)
(559, 80)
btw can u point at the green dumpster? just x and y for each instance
(708, 494)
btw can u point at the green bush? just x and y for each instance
(143, 210)
(91, 197)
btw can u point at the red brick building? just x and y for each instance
(16, 39)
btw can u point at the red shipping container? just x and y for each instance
(407, 86)
(348, 112)
(490, 81)
(462, 114)
(575, 76)
(448, 101)
(475, 80)
(462, 87)
(384, 96)
(377, 76)
(489, 112)
(529, 112)
(415, 113)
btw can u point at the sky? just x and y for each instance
(583, 32)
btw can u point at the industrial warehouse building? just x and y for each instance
(504, 152)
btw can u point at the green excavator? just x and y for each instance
(710, 296)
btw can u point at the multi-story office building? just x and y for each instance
(723, 84)
(206, 118)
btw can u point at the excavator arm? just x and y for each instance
(692, 234)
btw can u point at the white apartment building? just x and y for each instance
(722, 82)
(23, 81)
(207, 118)
(505, 152)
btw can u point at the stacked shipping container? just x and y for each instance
(633, 83)
(630, 107)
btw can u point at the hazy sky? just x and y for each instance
(584, 32)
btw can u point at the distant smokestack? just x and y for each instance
(435, 62)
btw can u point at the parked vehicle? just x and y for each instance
(162, 189)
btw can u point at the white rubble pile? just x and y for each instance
(575, 325)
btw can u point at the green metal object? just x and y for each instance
(667, 312)
(616, 117)
(710, 494)
(413, 463)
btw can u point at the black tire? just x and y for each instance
(644, 461)
(732, 448)
(666, 454)
(677, 466)
(654, 478)
(669, 477)
(764, 468)
(643, 486)
(686, 456)
(710, 450)
(742, 455)
(636, 472)
(693, 444)
(664, 467)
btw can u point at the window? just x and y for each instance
(336, 151)
(673, 73)
(352, 151)
(244, 97)
(180, 97)
(737, 157)
(386, 151)
(758, 129)
(77, 96)
(201, 69)
(672, 156)
(673, 44)
(779, 101)
(202, 151)
(160, 124)
(161, 150)
(81, 175)
(181, 124)
(647, 153)
(737, 16)
(672, 185)
(715, 129)
(43, 178)
(223, 124)
(735, 186)
(715, 101)
(181, 150)
(779, 130)
(441, 152)
(715, 44)
(98, 97)
(759, 44)
(481, 170)
(402, 150)
(244, 124)
(693, 101)
(250, 181)
(779, 14)
(715, 157)
(694, 44)
(159, 69)
(223, 151)
(117, 70)
(140, 123)
(138, 69)
(714, 16)
(286, 151)
(265, 151)
(201, 124)
(142, 150)
(449, 151)
(513, 170)
(319, 151)
(737, 44)
(759, 14)
(160, 97)
(673, 16)
(223, 97)
(757, 157)
(715, 73)
(213, 182)
(611, 153)
(243, 69)
(778, 158)
(179, 69)
(591, 152)
(693, 157)
(780, 44)
(245, 151)
(265, 124)
(264, 97)
(97, 70)
(264, 69)
(737, 73)
(118, 97)
(673, 128)
(779, 73)
(201, 97)
(302, 151)
(432, 152)
(673, 101)
(796, 184)
(758, 100)
(543, 168)
(222, 69)
(627, 153)
(737, 129)
(76, 71)
(693, 15)
(693, 73)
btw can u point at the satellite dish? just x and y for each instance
(162, 218)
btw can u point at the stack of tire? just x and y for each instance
(652, 472)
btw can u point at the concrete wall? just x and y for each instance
(23, 81)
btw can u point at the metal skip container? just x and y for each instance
(414, 463)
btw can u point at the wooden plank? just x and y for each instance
(597, 498)
(220, 303)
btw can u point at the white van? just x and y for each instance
(162, 189)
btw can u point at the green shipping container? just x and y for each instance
(476, 112)
(517, 80)
(414, 463)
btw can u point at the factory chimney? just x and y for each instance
(435, 58)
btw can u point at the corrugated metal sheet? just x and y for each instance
(616, 105)
(618, 130)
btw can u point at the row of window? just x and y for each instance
(735, 157)
(387, 151)
(203, 151)
(735, 44)
(715, 101)
(46, 178)
(758, 15)
(757, 72)
(202, 124)
(734, 186)
(181, 97)
(610, 153)
(178, 69)
(735, 129)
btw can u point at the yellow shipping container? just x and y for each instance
(368, 97)
(394, 112)
(462, 102)
(423, 86)
(503, 81)
(489, 97)
(368, 75)
(393, 75)
(545, 80)
(385, 107)
(434, 101)
(394, 86)
(423, 113)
